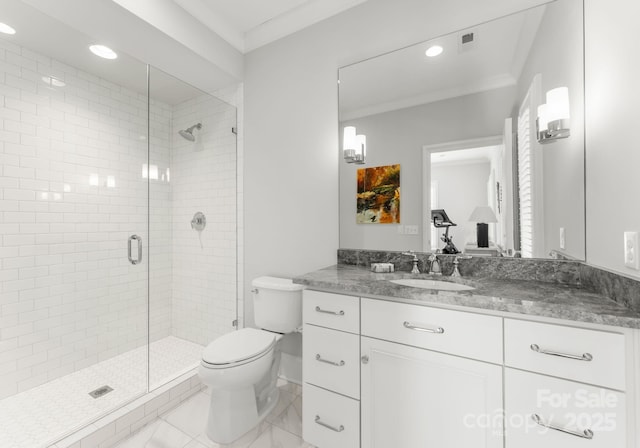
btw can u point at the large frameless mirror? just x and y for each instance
(460, 114)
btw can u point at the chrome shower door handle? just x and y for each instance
(139, 241)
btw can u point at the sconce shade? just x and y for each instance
(543, 118)
(553, 120)
(354, 147)
(361, 149)
(349, 143)
(558, 104)
(483, 214)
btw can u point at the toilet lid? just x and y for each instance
(238, 346)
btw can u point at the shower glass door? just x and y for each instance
(118, 257)
(193, 254)
(74, 207)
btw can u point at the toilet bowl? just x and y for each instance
(241, 368)
(237, 368)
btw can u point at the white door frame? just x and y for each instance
(493, 140)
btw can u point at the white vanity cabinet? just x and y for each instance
(571, 391)
(543, 411)
(459, 333)
(380, 373)
(415, 398)
(331, 370)
(415, 392)
(590, 356)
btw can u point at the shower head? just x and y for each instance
(187, 134)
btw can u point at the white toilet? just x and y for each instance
(241, 368)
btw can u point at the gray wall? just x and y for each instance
(613, 156)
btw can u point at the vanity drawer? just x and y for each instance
(331, 360)
(329, 420)
(459, 333)
(542, 411)
(590, 356)
(337, 311)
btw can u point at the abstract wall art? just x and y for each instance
(378, 195)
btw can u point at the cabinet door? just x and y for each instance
(548, 412)
(415, 398)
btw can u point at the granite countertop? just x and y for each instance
(533, 298)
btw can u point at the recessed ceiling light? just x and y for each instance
(434, 50)
(103, 52)
(53, 82)
(6, 29)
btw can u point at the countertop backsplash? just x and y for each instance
(621, 289)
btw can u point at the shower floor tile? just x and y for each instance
(41, 415)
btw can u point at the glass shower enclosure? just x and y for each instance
(118, 260)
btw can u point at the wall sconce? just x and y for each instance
(354, 147)
(553, 117)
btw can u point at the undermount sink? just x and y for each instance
(431, 284)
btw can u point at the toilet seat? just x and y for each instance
(237, 348)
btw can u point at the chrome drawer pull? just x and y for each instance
(410, 326)
(332, 428)
(326, 361)
(583, 357)
(586, 434)
(339, 313)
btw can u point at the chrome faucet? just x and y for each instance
(434, 265)
(415, 269)
(456, 262)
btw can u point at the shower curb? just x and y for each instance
(118, 425)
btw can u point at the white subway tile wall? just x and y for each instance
(72, 193)
(74, 187)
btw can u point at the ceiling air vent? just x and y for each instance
(467, 40)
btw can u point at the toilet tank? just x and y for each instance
(277, 304)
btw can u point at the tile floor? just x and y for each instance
(35, 418)
(184, 426)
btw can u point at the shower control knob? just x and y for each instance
(199, 221)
